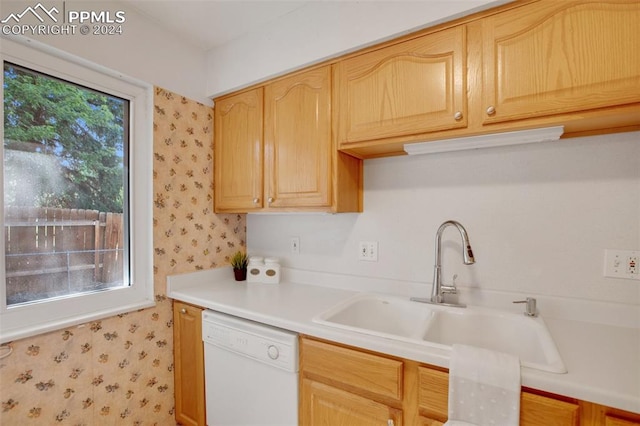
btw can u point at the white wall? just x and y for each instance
(321, 30)
(143, 51)
(539, 218)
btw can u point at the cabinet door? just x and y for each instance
(325, 405)
(365, 373)
(298, 143)
(189, 364)
(238, 152)
(538, 409)
(433, 393)
(553, 57)
(413, 87)
(599, 415)
(614, 421)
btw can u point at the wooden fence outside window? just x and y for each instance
(55, 252)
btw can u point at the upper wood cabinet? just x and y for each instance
(523, 65)
(238, 152)
(556, 57)
(297, 137)
(407, 88)
(274, 150)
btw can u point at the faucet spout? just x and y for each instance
(437, 291)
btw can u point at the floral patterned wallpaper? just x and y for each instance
(119, 371)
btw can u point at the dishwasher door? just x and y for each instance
(251, 372)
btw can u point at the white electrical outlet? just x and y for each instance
(622, 264)
(368, 250)
(295, 245)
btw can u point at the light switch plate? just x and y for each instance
(294, 243)
(368, 250)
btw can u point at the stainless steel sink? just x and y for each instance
(442, 327)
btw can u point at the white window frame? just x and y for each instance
(26, 320)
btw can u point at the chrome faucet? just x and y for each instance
(438, 290)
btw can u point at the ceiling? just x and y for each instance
(211, 23)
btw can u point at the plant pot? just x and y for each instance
(240, 274)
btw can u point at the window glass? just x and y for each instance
(76, 177)
(65, 169)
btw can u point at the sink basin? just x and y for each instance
(442, 327)
(516, 334)
(380, 315)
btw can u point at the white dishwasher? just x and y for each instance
(251, 372)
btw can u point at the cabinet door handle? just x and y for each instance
(491, 110)
(270, 200)
(457, 116)
(390, 422)
(256, 200)
(183, 311)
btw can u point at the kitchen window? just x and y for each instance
(76, 179)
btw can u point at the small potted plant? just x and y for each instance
(239, 263)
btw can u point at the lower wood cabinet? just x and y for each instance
(342, 386)
(328, 405)
(598, 415)
(615, 421)
(347, 386)
(188, 364)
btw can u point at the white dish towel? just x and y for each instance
(484, 387)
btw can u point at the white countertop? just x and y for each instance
(603, 361)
